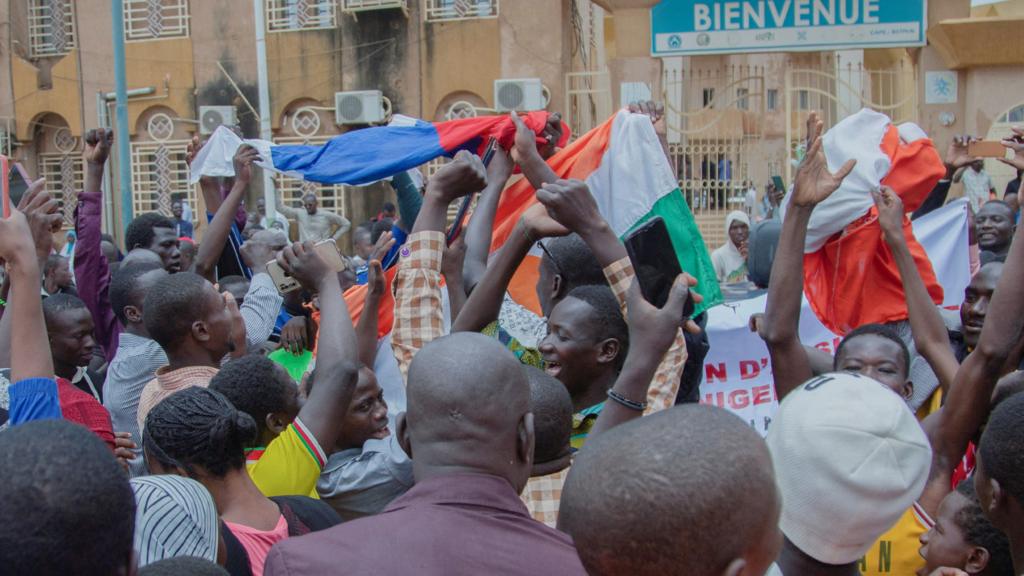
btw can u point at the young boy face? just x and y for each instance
(574, 350)
(367, 416)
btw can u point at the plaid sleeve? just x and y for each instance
(663, 389)
(417, 291)
(543, 495)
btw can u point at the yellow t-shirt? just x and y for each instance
(896, 551)
(290, 465)
(930, 406)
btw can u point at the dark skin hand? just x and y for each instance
(295, 336)
(366, 331)
(525, 154)
(30, 351)
(929, 331)
(97, 149)
(652, 331)
(968, 406)
(337, 371)
(451, 269)
(220, 226)
(814, 183)
(481, 222)
(484, 303)
(464, 175)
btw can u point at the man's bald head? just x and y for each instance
(141, 256)
(703, 504)
(552, 416)
(468, 410)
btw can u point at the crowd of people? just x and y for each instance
(168, 411)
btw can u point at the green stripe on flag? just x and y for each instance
(689, 246)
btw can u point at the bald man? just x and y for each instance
(469, 430)
(706, 505)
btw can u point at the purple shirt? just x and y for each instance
(92, 273)
(460, 524)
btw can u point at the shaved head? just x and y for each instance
(702, 504)
(142, 256)
(466, 414)
(552, 415)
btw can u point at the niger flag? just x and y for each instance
(626, 169)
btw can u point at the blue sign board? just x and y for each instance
(695, 27)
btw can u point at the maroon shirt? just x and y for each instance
(81, 408)
(461, 524)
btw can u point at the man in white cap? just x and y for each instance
(850, 458)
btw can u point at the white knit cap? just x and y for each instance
(850, 459)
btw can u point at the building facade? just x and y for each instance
(733, 121)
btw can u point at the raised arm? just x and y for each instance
(30, 350)
(652, 331)
(286, 211)
(484, 303)
(968, 403)
(525, 153)
(417, 283)
(366, 330)
(217, 232)
(930, 336)
(92, 272)
(451, 269)
(481, 223)
(813, 184)
(337, 361)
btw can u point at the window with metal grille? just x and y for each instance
(708, 97)
(64, 178)
(773, 99)
(151, 19)
(448, 10)
(285, 15)
(333, 198)
(51, 27)
(158, 172)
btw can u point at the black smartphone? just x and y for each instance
(655, 262)
(460, 216)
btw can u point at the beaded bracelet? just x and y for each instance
(632, 405)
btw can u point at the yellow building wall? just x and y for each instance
(63, 98)
(459, 56)
(165, 65)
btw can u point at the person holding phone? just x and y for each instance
(978, 187)
(730, 259)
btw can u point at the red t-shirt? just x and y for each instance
(81, 408)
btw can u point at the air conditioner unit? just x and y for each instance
(210, 117)
(522, 94)
(360, 107)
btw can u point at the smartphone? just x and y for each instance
(986, 149)
(285, 283)
(779, 185)
(460, 216)
(654, 260)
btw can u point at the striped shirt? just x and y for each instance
(174, 516)
(168, 382)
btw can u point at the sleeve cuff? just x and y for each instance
(423, 250)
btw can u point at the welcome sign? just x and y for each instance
(695, 27)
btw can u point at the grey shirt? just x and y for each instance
(138, 358)
(362, 482)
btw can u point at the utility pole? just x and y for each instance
(264, 94)
(124, 166)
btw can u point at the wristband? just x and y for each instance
(632, 405)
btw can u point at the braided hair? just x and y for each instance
(198, 428)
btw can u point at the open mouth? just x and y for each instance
(381, 433)
(553, 368)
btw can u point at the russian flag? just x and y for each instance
(625, 167)
(370, 154)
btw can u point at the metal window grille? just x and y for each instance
(151, 19)
(449, 10)
(158, 171)
(286, 15)
(51, 27)
(64, 175)
(332, 197)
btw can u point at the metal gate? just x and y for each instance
(839, 88)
